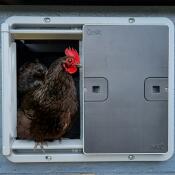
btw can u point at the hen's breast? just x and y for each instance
(56, 106)
(58, 95)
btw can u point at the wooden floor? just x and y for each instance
(121, 168)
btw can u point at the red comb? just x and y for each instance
(71, 52)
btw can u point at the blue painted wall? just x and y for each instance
(124, 168)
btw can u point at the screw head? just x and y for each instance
(47, 20)
(131, 157)
(131, 20)
(48, 158)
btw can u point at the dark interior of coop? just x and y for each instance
(47, 51)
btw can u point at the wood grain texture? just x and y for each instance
(124, 168)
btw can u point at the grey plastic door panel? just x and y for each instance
(126, 70)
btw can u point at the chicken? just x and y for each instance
(31, 75)
(55, 102)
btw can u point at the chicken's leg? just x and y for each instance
(41, 145)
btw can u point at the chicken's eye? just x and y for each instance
(69, 60)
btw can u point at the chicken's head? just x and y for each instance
(72, 60)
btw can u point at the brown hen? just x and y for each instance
(55, 102)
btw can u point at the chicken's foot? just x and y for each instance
(41, 145)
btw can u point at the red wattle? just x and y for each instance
(70, 70)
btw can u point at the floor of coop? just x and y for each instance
(65, 145)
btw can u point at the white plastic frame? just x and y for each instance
(71, 27)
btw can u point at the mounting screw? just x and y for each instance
(48, 158)
(47, 20)
(131, 20)
(131, 157)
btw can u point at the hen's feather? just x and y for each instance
(23, 125)
(30, 76)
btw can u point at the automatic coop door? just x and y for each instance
(125, 87)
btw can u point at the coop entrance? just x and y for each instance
(43, 52)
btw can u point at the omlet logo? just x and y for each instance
(93, 32)
(158, 147)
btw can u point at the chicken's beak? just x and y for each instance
(79, 65)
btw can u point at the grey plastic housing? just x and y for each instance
(109, 85)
